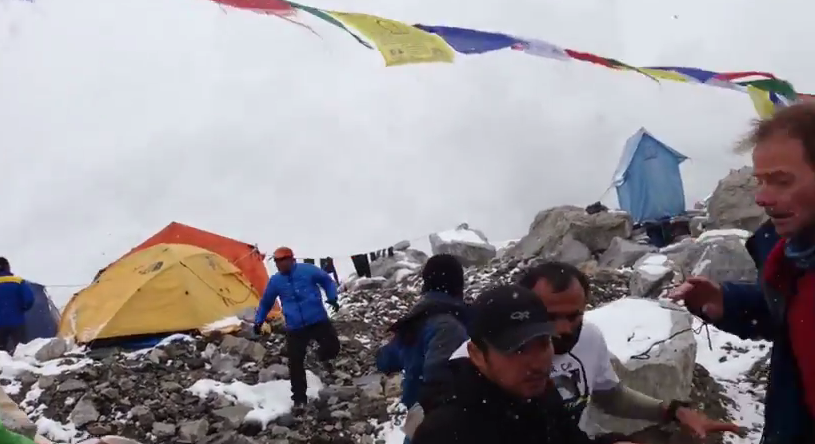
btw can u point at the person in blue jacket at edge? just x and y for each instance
(781, 306)
(425, 338)
(16, 298)
(298, 287)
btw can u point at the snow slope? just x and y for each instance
(118, 116)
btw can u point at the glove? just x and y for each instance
(258, 328)
(335, 306)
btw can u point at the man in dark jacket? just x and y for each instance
(16, 298)
(502, 393)
(425, 338)
(298, 287)
(781, 307)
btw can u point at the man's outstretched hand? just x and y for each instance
(702, 297)
(701, 425)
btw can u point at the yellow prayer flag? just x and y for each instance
(664, 74)
(761, 101)
(399, 43)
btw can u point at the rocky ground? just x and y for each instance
(146, 395)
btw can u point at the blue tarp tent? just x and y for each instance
(649, 185)
(42, 321)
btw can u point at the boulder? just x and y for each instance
(397, 267)
(550, 227)
(470, 246)
(651, 273)
(401, 245)
(733, 205)
(663, 372)
(570, 251)
(623, 253)
(718, 254)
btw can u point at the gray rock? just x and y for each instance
(53, 349)
(652, 272)
(273, 373)
(233, 415)
(401, 245)
(157, 356)
(192, 431)
(72, 385)
(46, 382)
(726, 260)
(623, 253)
(392, 268)
(664, 372)
(278, 430)
(171, 386)
(733, 205)
(596, 231)
(470, 246)
(249, 350)
(84, 412)
(99, 429)
(225, 364)
(718, 257)
(342, 392)
(143, 415)
(570, 251)
(164, 429)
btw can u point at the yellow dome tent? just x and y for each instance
(162, 289)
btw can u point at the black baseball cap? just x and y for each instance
(508, 317)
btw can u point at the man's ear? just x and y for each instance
(477, 356)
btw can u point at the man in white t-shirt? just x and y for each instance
(582, 369)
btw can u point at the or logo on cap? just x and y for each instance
(519, 315)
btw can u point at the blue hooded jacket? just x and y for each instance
(16, 298)
(300, 296)
(751, 314)
(423, 341)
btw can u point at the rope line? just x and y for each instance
(705, 326)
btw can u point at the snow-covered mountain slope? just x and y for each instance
(118, 116)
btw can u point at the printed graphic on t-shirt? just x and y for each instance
(569, 376)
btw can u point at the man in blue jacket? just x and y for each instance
(435, 327)
(16, 298)
(781, 306)
(298, 287)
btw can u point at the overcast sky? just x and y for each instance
(119, 116)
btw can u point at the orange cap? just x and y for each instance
(283, 253)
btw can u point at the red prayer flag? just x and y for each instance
(276, 7)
